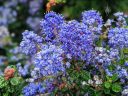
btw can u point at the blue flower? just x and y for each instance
(49, 61)
(30, 89)
(33, 89)
(34, 23)
(7, 15)
(94, 21)
(23, 71)
(120, 19)
(34, 6)
(30, 43)
(76, 39)
(126, 63)
(51, 25)
(118, 37)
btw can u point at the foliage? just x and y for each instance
(62, 57)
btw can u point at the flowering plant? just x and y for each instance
(72, 58)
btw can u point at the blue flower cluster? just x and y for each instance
(125, 91)
(102, 56)
(121, 21)
(49, 61)
(76, 39)
(34, 23)
(34, 6)
(118, 37)
(38, 88)
(30, 43)
(4, 37)
(93, 19)
(23, 71)
(2, 60)
(61, 43)
(122, 73)
(7, 15)
(51, 25)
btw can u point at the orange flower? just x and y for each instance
(9, 73)
(50, 4)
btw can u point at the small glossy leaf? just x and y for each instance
(115, 77)
(107, 84)
(3, 83)
(15, 81)
(116, 87)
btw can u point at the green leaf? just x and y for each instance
(6, 94)
(60, 1)
(12, 66)
(21, 95)
(85, 75)
(10, 89)
(1, 79)
(115, 77)
(3, 82)
(122, 57)
(15, 81)
(107, 91)
(125, 50)
(116, 87)
(125, 26)
(107, 84)
(98, 93)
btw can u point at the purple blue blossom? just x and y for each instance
(2, 60)
(11, 3)
(118, 37)
(51, 25)
(30, 43)
(122, 72)
(125, 91)
(94, 21)
(103, 56)
(16, 54)
(23, 71)
(4, 37)
(38, 88)
(34, 6)
(76, 39)
(126, 63)
(34, 23)
(49, 61)
(121, 19)
(77, 42)
(31, 89)
(11, 8)
(7, 15)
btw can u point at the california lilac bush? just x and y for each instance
(68, 58)
(72, 58)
